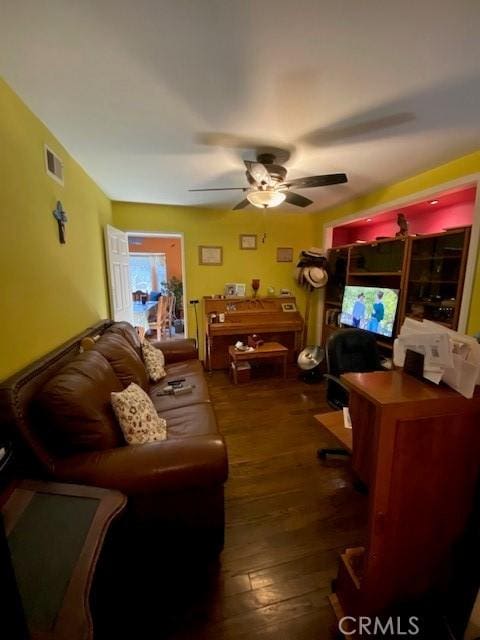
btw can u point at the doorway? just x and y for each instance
(156, 268)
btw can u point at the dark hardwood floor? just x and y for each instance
(287, 518)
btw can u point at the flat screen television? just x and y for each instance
(370, 308)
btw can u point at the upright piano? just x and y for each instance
(272, 318)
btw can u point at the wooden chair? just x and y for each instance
(169, 314)
(164, 319)
(137, 295)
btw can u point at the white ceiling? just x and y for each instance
(128, 86)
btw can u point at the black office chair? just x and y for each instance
(347, 350)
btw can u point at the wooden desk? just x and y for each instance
(55, 533)
(333, 422)
(266, 351)
(417, 448)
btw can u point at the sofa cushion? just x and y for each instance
(73, 410)
(193, 376)
(178, 370)
(128, 332)
(137, 417)
(123, 359)
(188, 421)
(154, 361)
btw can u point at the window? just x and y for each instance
(147, 271)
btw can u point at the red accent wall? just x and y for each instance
(431, 221)
(169, 246)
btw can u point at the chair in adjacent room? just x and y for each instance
(347, 350)
(163, 321)
(157, 324)
(169, 314)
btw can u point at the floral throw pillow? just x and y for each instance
(154, 361)
(137, 417)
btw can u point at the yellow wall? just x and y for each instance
(49, 291)
(456, 169)
(222, 228)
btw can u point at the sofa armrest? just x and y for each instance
(177, 350)
(171, 465)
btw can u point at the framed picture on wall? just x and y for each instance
(284, 254)
(248, 241)
(208, 255)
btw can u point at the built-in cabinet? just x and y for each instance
(436, 275)
(428, 270)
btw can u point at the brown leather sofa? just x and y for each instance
(58, 411)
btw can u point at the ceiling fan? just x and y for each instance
(269, 187)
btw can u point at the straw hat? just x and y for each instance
(314, 252)
(315, 276)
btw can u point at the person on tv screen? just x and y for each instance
(358, 312)
(378, 313)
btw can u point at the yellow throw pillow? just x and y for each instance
(154, 361)
(137, 417)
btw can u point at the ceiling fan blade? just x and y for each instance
(259, 173)
(232, 141)
(367, 126)
(241, 205)
(222, 189)
(297, 199)
(316, 181)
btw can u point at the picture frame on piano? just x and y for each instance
(235, 290)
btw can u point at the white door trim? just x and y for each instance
(179, 234)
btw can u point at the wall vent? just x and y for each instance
(53, 165)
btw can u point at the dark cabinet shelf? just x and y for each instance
(377, 258)
(435, 277)
(426, 258)
(375, 273)
(434, 281)
(428, 270)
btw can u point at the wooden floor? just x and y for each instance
(288, 516)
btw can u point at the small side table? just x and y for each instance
(266, 351)
(55, 533)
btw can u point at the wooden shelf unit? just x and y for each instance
(414, 265)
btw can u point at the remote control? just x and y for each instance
(177, 391)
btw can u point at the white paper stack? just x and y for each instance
(449, 356)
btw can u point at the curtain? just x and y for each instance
(147, 271)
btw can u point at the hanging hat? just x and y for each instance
(298, 274)
(314, 252)
(316, 276)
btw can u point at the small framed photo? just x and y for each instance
(289, 306)
(229, 290)
(284, 254)
(235, 290)
(248, 241)
(210, 255)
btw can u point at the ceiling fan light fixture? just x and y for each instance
(265, 198)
